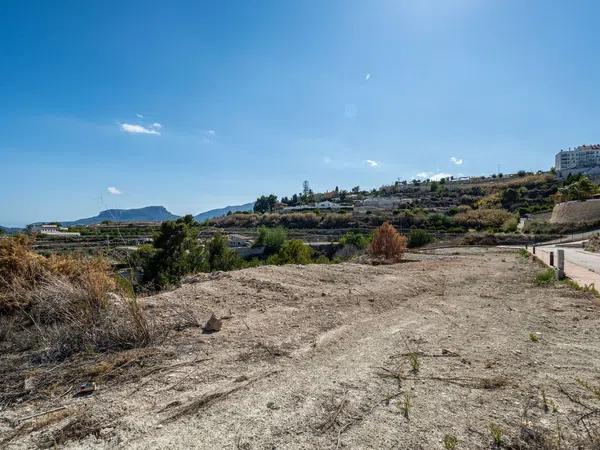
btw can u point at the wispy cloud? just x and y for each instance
(367, 77)
(208, 136)
(139, 116)
(455, 160)
(371, 163)
(113, 190)
(432, 176)
(140, 129)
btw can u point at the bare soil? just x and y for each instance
(320, 356)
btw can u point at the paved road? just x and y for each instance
(574, 237)
(587, 260)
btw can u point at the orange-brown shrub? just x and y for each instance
(387, 243)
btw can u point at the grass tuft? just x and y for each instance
(545, 278)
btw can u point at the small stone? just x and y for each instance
(212, 325)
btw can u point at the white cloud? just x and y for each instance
(455, 160)
(371, 163)
(139, 129)
(432, 176)
(113, 190)
(367, 77)
(208, 135)
(139, 116)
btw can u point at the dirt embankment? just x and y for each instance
(444, 346)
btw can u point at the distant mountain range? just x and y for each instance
(8, 230)
(147, 214)
(223, 211)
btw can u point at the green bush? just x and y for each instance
(272, 239)
(292, 252)
(220, 256)
(418, 238)
(359, 240)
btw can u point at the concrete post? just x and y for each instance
(551, 259)
(526, 246)
(533, 249)
(560, 264)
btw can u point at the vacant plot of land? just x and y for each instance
(461, 344)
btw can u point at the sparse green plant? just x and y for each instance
(534, 337)
(544, 278)
(524, 253)
(496, 433)
(588, 288)
(415, 363)
(450, 442)
(406, 405)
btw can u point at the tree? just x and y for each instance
(305, 188)
(176, 252)
(220, 256)
(509, 197)
(265, 203)
(578, 187)
(387, 243)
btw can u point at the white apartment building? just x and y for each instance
(582, 159)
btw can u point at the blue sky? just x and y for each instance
(195, 105)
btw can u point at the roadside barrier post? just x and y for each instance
(560, 264)
(533, 249)
(552, 259)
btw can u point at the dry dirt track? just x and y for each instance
(310, 354)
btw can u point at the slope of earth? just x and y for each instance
(446, 345)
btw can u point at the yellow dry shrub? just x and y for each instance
(22, 270)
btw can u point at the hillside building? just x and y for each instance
(583, 159)
(54, 230)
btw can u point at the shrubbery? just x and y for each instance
(419, 238)
(272, 239)
(60, 305)
(358, 240)
(292, 252)
(388, 244)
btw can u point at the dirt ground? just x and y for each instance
(460, 344)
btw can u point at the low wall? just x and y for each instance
(570, 212)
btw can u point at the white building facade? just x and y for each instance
(582, 159)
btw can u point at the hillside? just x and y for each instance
(213, 213)
(9, 230)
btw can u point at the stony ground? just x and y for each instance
(458, 344)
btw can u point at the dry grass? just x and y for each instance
(53, 308)
(21, 270)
